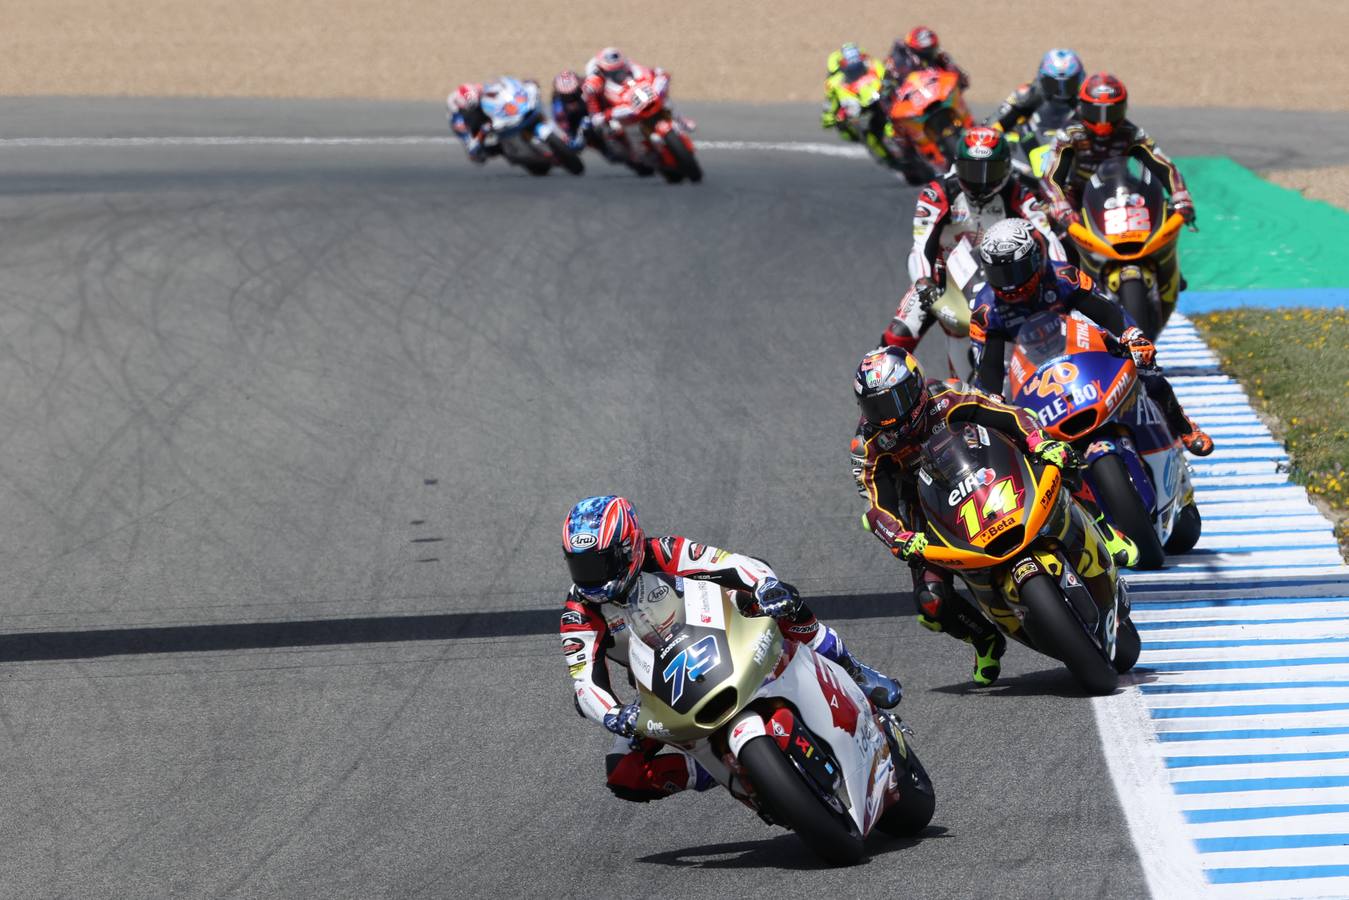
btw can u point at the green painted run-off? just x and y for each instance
(1255, 235)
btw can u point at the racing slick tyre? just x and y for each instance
(917, 799)
(537, 168)
(566, 157)
(687, 162)
(1057, 631)
(1128, 644)
(783, 792)
(1111, 482)
(1133, 296)
(1186, 532)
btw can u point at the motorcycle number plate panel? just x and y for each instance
(691, 668)
(961, 265)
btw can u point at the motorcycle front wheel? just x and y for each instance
(566, 157)
(1056, 630)
(1111, 482)
(1134, 297)
(684, 158)
(917, 799)
(782, 791)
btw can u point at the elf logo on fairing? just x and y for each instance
(693, 662)
(973, 481)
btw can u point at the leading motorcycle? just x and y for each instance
(1030, 554)
(1083, 388)
(517, 124)
(782, 728)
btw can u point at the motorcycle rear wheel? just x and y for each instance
(1134, 297)
(1185, 534)
(917, 799)
(684, 158)
(1056, 630)
(783, 792)
(1128, 645)
(1110, 479)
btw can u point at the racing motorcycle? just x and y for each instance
(785, 730)
(644, 117)
(1128, 233)
(527, 137)
(927, 113)
(1030, 554)
(861, 114)
(1083, 388)
(1033, 140)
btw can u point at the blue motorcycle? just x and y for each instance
(525, 136)
(1083, 388)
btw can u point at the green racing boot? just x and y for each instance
(988, 658)
(1119, 545)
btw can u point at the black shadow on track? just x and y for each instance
(52, 645)
(780, 852)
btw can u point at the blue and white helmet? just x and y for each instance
(1060, 75)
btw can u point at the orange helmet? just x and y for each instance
(1102, 103)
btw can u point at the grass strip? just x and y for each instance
(1294, 364)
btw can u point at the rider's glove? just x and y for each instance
(598, 120)
(907, 545)
(928, 293)
(1181, 203)
(1062, 211)
(776, 598)
(1143, 350)
(1059, 454)
(622, 720)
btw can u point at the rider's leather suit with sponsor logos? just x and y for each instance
(596, 634)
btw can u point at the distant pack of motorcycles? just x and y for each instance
(1034, 560)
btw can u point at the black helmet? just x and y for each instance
(1013, 255)
(891, 390)
(983, 162)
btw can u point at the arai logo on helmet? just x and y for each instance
(583, 541)
(979, 151)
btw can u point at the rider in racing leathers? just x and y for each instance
(468, 122)
(846, 65)
(961, 204)
(1103, 132)
(1023, 281)
(920, 49)
(569, 108)
(607, 553)
(1056, 83)
(900, 409)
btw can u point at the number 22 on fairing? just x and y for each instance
(694, 661)
(999, 501)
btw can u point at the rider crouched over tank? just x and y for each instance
(607, 553)
(900, 409)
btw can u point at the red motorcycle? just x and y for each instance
(643, 113)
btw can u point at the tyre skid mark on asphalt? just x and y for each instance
(1227, 747)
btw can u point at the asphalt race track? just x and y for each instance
(288, 436)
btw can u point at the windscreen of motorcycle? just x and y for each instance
(1124, 204)
(973, 488)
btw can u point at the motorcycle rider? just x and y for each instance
(570, 113)
(900, 409)
(846, 65)
(468, 122)
(1056, 83)
(920, 49)
(976, 193)
(1022, 281)
(1103, 132)
(607, 552)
